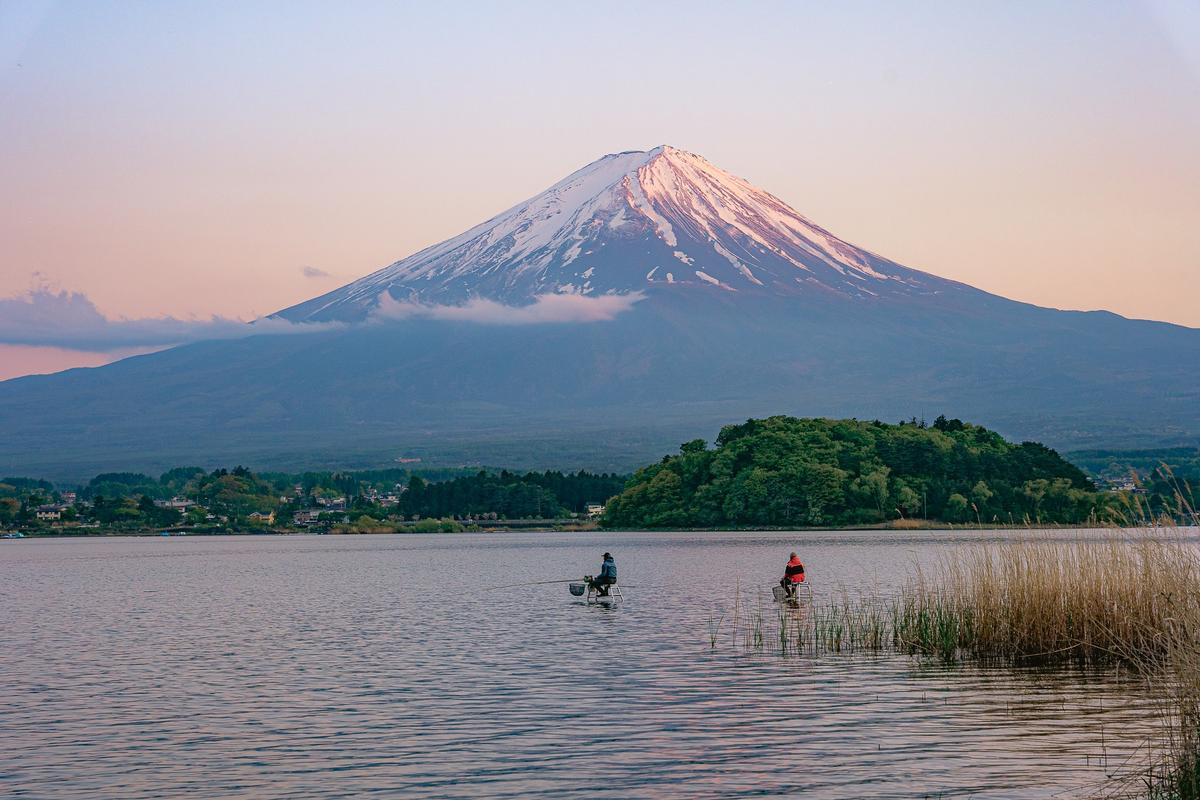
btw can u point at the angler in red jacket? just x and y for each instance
(793, 575)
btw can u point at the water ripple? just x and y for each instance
(346, 666)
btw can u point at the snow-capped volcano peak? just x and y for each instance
(663, 219)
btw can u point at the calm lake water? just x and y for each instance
(339, 666)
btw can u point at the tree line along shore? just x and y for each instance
(779, 472)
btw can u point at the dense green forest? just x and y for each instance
(784, 471)
(1116, 465)
(532, 495)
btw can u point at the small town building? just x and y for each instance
(51, 513)
(176, 503)
(332, 504)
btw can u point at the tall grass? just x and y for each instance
(1127, 599)
(1132, 601)
(1088, 601)
(1084, 601)
(839, 625)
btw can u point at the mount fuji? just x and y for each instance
(628, 222)
(647, 298)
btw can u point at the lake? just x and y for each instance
(337, 666)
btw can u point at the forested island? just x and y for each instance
(789, 472)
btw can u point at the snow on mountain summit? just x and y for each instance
(658, 220)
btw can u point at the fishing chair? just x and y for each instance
(614, 593)
(802, 593)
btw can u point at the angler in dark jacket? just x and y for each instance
(607, 576)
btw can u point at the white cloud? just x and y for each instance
(545, 308)
(43, 317)
(314, 272)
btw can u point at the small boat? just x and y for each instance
(13, 535)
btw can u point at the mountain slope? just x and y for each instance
(630, 222)
(745, 309)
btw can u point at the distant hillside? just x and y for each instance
(1164, 481)
(1122, 465)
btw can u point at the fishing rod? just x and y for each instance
(538, 583)
(543, 583)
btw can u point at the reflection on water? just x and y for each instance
(337, 666)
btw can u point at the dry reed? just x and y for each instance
(1128, 599)
(1132, 600)
(1086, 600)
(838, 625)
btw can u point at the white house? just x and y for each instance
(49, 513)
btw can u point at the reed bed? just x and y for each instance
(1127, 599)
(1079, 602)
(1092, 602)
(842, 625)
(1132, 601)
(1088, 601)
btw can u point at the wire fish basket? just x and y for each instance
(577, 589)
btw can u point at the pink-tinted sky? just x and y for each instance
(234, 158)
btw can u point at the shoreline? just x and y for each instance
(532, 526)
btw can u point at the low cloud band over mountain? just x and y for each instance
(45, 318)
